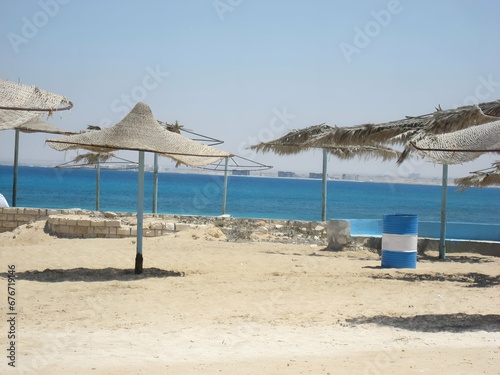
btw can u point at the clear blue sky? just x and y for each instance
(250, 70)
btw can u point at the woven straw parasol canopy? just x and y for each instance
(460, 146)
(140, 131)
(37, 125)
(20, 103)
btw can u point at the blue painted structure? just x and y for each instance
(430, 229)
(399, 241)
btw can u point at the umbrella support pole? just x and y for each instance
(444, 194)
(138, 264)
(16, 160)
(224, 192)
(98, 185)
(155, 184)
(140, 215)
(324, 184)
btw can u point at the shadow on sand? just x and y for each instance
(474, 279)
(436, 322)
(92, 275)
(454, 259)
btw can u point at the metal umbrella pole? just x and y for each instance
(140, 215)
(444, 195)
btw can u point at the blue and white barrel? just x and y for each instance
(399, 241)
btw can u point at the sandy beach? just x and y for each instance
(205, 306)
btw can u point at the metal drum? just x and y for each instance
(399, 241)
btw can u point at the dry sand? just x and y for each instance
(211, 307)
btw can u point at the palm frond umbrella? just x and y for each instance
(35, 125)
(20, 103)
(461, 146)
(315, 137)
(140, 131)
(412, 129)
(455, 137)
(440, 123)
(481, 178)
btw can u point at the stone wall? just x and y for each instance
(88, 226)
(13, 217)
(76, 223)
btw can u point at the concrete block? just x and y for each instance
(182, 226)
(83, 223)
(53, 220)
(61, 229)
(101, 230)
(78, 230)
(70, 222)
(31, 211)
(113, 223)
(156, 225)
(123, 231)
(10, 224)
(338, 233)
(171, 227)
(149, 233)
(97, 223)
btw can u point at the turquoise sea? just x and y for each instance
(250, 197)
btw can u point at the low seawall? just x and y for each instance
(76, 223)
(431, 229)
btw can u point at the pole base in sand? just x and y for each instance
(138, 264)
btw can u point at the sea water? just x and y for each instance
(247, 196)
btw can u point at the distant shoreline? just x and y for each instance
(362, 178)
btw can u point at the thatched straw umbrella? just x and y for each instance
(315, 137)
(20, 103)
(481, 178)
(426, 128)
(35, 125)
(459, 146)
(140, 131)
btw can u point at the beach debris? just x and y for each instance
(110, 215)
(215, 233)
